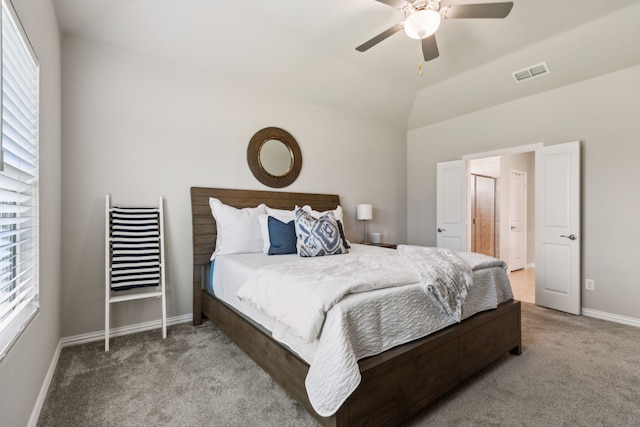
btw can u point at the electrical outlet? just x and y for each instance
(589, 284)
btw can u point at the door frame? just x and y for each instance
(504, 151)
(494, 153)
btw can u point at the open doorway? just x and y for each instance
(554, 205)
(504, 228)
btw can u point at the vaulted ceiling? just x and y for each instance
(306, 49)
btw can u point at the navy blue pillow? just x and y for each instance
(282, 237)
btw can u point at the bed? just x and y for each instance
(396, 383)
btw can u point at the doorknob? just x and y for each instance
(513, 226)
(570, 236)
(440, 230)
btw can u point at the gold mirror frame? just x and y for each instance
(258, 170)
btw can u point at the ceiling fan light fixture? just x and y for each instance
(422, 24)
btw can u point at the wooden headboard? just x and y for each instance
(204, 226)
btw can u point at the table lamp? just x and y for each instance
(364, 213)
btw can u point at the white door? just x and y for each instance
(450, 205)
(517, 219)
(557, 207)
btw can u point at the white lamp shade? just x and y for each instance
(364, 212)
(422, 24)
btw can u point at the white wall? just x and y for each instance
(23, 371)
(603, 114)
(137, 129)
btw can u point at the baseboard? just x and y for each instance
(530, 265)
(124, 330)
(630, 321)
(35, 413)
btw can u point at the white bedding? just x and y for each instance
(359, 325)
(300, 293)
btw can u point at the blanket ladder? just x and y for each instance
(134, 258)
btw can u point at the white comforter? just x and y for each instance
(363, 324)
(300, 293)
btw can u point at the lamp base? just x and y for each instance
(364, 237)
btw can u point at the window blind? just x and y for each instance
(18, 181)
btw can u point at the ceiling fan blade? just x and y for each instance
(483, 10)
(377, 39)
(398, 4)
(430, 48)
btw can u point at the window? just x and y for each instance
(18, 181)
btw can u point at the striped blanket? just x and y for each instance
(135, 248)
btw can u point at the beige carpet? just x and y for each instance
(574, 371)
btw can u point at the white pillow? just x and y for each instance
(238, 229)
(337, 213)
(283, 215)
(279, 214)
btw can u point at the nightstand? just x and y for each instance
(383, 245)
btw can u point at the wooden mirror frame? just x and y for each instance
(258, 170)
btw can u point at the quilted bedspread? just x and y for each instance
(334, 301)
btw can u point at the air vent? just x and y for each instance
(532, 72)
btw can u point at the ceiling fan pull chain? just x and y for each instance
(420, 57)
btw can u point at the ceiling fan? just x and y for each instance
(422, 19)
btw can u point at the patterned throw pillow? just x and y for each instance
(337, 213)
(318, 237)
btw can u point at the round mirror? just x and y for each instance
(274, 157)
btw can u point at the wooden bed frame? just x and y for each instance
(395, 384)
